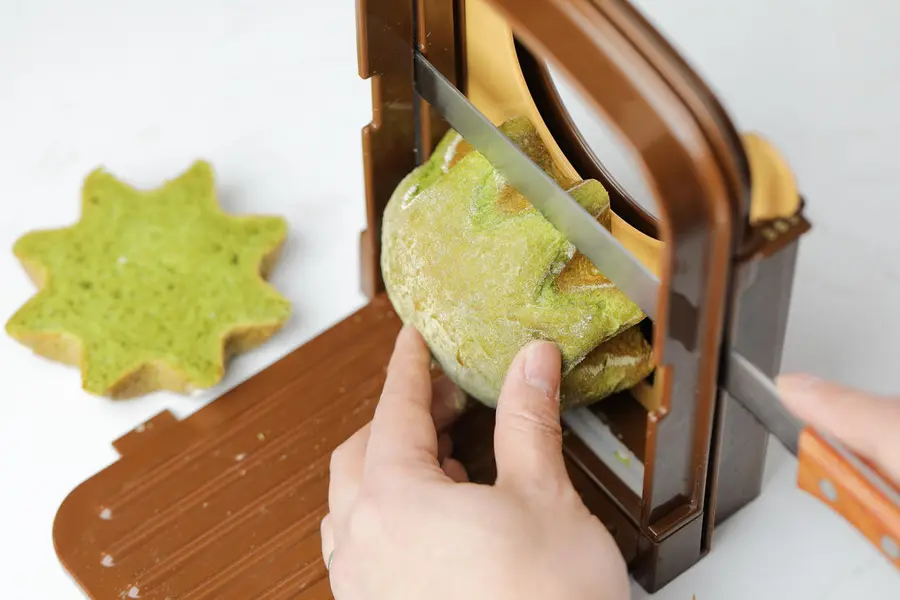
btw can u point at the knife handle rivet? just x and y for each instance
(890, 547)
(828, 490)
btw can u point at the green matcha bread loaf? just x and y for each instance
(479, 272)
(150, 290)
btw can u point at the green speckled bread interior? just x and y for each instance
(472, 265)
(151, 289)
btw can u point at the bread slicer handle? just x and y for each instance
(852, 487)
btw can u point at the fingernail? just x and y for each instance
(542, 368)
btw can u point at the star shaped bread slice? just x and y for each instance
(151, 290)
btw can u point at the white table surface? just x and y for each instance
(269, 92)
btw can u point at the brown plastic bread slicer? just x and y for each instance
(226, 503)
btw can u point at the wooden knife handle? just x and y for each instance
(863, 500)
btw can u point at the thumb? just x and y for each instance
(528, 434)
(867, 423)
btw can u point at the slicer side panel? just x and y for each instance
(385, 45)
(658, 563)
(759, 331)
(438, 38)
(696, 226)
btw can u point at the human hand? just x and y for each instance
(866, 423)
(405, 524)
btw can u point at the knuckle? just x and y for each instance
(339, 458)
(537, 422)
(366, 521)
(393, 395)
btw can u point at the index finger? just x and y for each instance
(867, 423)
(403, 430)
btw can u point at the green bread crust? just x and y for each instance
(480, 273)
(151, 289)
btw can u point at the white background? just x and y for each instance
(269, 92)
